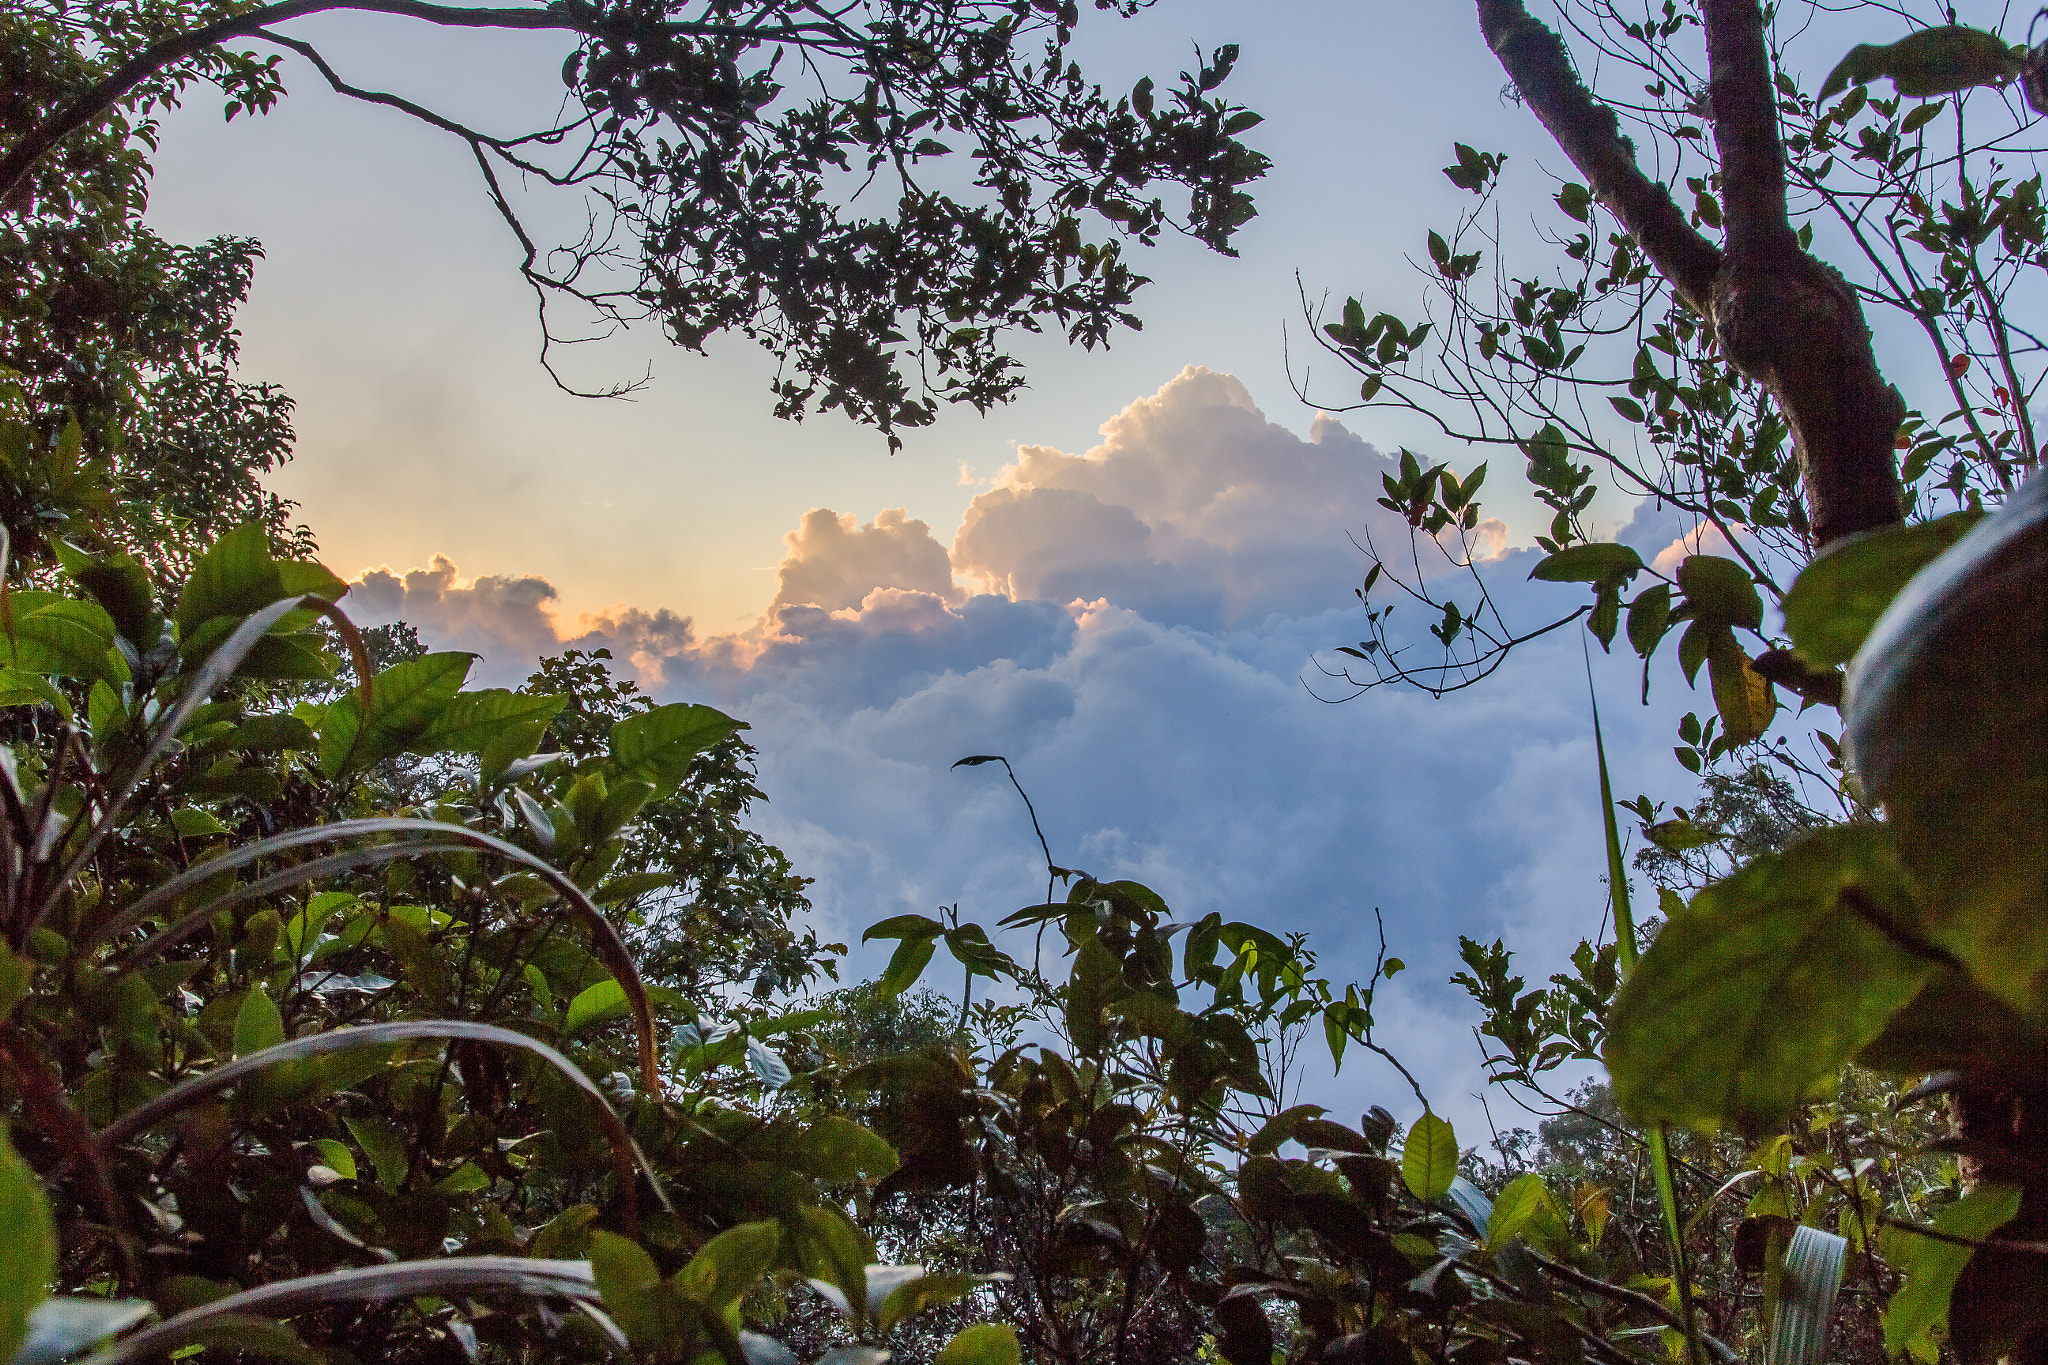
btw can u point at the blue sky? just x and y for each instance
(1118, 581)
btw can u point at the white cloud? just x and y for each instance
(1156, 602)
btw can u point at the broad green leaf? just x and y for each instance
(21, 688)
(385, 1147)
(659, 745)
(242, 1332)
(983, 1343)
(336, 1157)
(407, 699)
(1750, 1001)
(235, 577)
(474, 720)
(727, 1266)
(1920, 1308)
(1742, 695)
(970, 947)
(906, 965)
(913, 1296)
(122, 587)
(633, 1293)
(193, 823)
(1954, 1024)
(1525, 1209)
(1429, 1158)
(257, 1023)
(28, 1248)
(834, 1148)
(1720, 591)
(595, 1005)
(905, 926)
(1839, 596)
(1588, 563)
(310, 578)
(64, 640)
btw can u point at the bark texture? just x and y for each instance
(1782, 318)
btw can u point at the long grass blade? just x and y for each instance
(228, 1074)
(1806, 1297)
(1658, 1137)
(435, 836)
(219, 666)
(408, 1279)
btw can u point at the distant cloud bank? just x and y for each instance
(1130, 626)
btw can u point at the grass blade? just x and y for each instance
(1806, 1298)
(433, 836)
(228, 1074)
(1658, 1137)
(408, 1279)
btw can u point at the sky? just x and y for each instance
(1120, 581)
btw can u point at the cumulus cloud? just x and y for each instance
(834, 562)
(1195, 510)
(1129, 627)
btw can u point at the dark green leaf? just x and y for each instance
(1839, 596)
(1750, 1001)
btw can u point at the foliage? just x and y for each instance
(919, 181)
(122, 424)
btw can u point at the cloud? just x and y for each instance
(1130, 626)
(1194, 510)
(834, 562)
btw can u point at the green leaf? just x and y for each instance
(1750, 1001)
(983, 1343)
(596, 1004)
(1720, 590)
(904, 926)
(407, 699)
(19, 688)
(63, 639)
(1524, 1209)
(632, 1290)
(906, 965)
(194, 823)
(834, 1148)
(922, 1291)
(1839, 596)
(1649, 616)
(233, 578)
(1940, 60)
(1931, 1267)
(1742, 695)
(244, 1332)
(1589, 563)
(725, 1267)
(123, 588)
(659, 745)
(475, 720)
(385, 1147)
(1429, 1158)
(970, 947)
(28, 1248)
(1629, 408)
(257, 1023)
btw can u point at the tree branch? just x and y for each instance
(88, 105)
(1746, 129)
(1590, 134)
